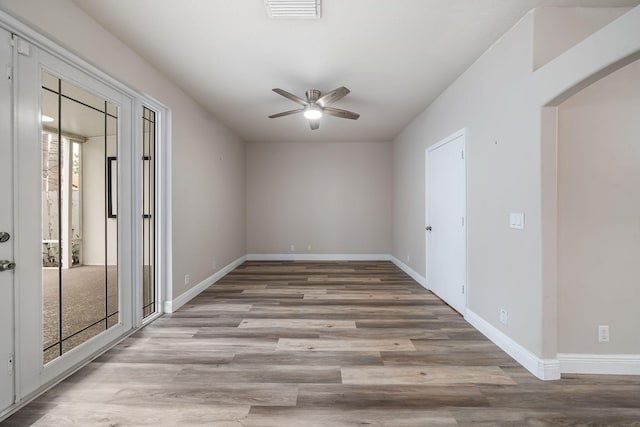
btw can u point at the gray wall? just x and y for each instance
(491, 100)
(335, 197)
(500, 100)
(208, 169)
(599, 215)
(557, 29)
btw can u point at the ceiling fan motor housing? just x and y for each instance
(313, 95)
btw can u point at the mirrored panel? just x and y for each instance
(79, 222)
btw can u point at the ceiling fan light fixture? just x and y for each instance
(312, 112)
(316, 105)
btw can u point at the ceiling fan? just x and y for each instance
(316, 105)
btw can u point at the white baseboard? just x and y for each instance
(176, 303)
(317, 257)
(606, 364)
(411, 272)
(544, 369)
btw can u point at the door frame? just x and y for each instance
(30, 371)
(7, 250)
(163, 202)
(460, 133)
(162, 206)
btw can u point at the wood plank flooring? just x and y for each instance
(321, 344)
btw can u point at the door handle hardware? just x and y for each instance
(4, 236)
(428, 228)
(7, 265)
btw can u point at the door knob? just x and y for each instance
(428, 228)
(4, 236)
(7, 265)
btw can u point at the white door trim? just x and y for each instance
(7, 214)
(462, 132)
(163, 205)
(454, 136)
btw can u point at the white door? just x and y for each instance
(6, 226)
(446, 220)
(74, 242)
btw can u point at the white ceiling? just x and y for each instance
(395, 56)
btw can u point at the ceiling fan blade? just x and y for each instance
(343, 114)
(290, 96)
(333, 96)
(314, 123)
(286, 113)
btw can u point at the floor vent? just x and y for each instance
(293, 9)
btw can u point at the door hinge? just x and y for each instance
(9, 72)
(24, 48)
(10, 365)
(462, 221)
(463, 289)
(462, 154)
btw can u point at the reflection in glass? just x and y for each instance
(148, 211)
(79, 241)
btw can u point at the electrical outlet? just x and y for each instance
(504, 316)
(293, 248)
(187, 279)
(603, 333)
(309, 247)
(408, 258)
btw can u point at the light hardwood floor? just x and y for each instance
(321, 344)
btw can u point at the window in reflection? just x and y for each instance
(79, 238)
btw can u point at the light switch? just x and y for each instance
(516, 220)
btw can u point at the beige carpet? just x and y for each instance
(83, 303)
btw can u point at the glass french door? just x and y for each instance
(79, 215)
(149, 157)
(75, 230)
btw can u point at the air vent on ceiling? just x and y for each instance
(293, 9)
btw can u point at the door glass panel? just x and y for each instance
(148, 211)
(79, 216)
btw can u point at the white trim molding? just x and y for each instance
(172, 305)
(318, 257)
(544, 369)
(604, 364)
(422, 281)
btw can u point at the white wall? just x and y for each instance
(335, 197)
(558, 29)
(207, 158)
(494, 102)
(599, 215)
(500, 100)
